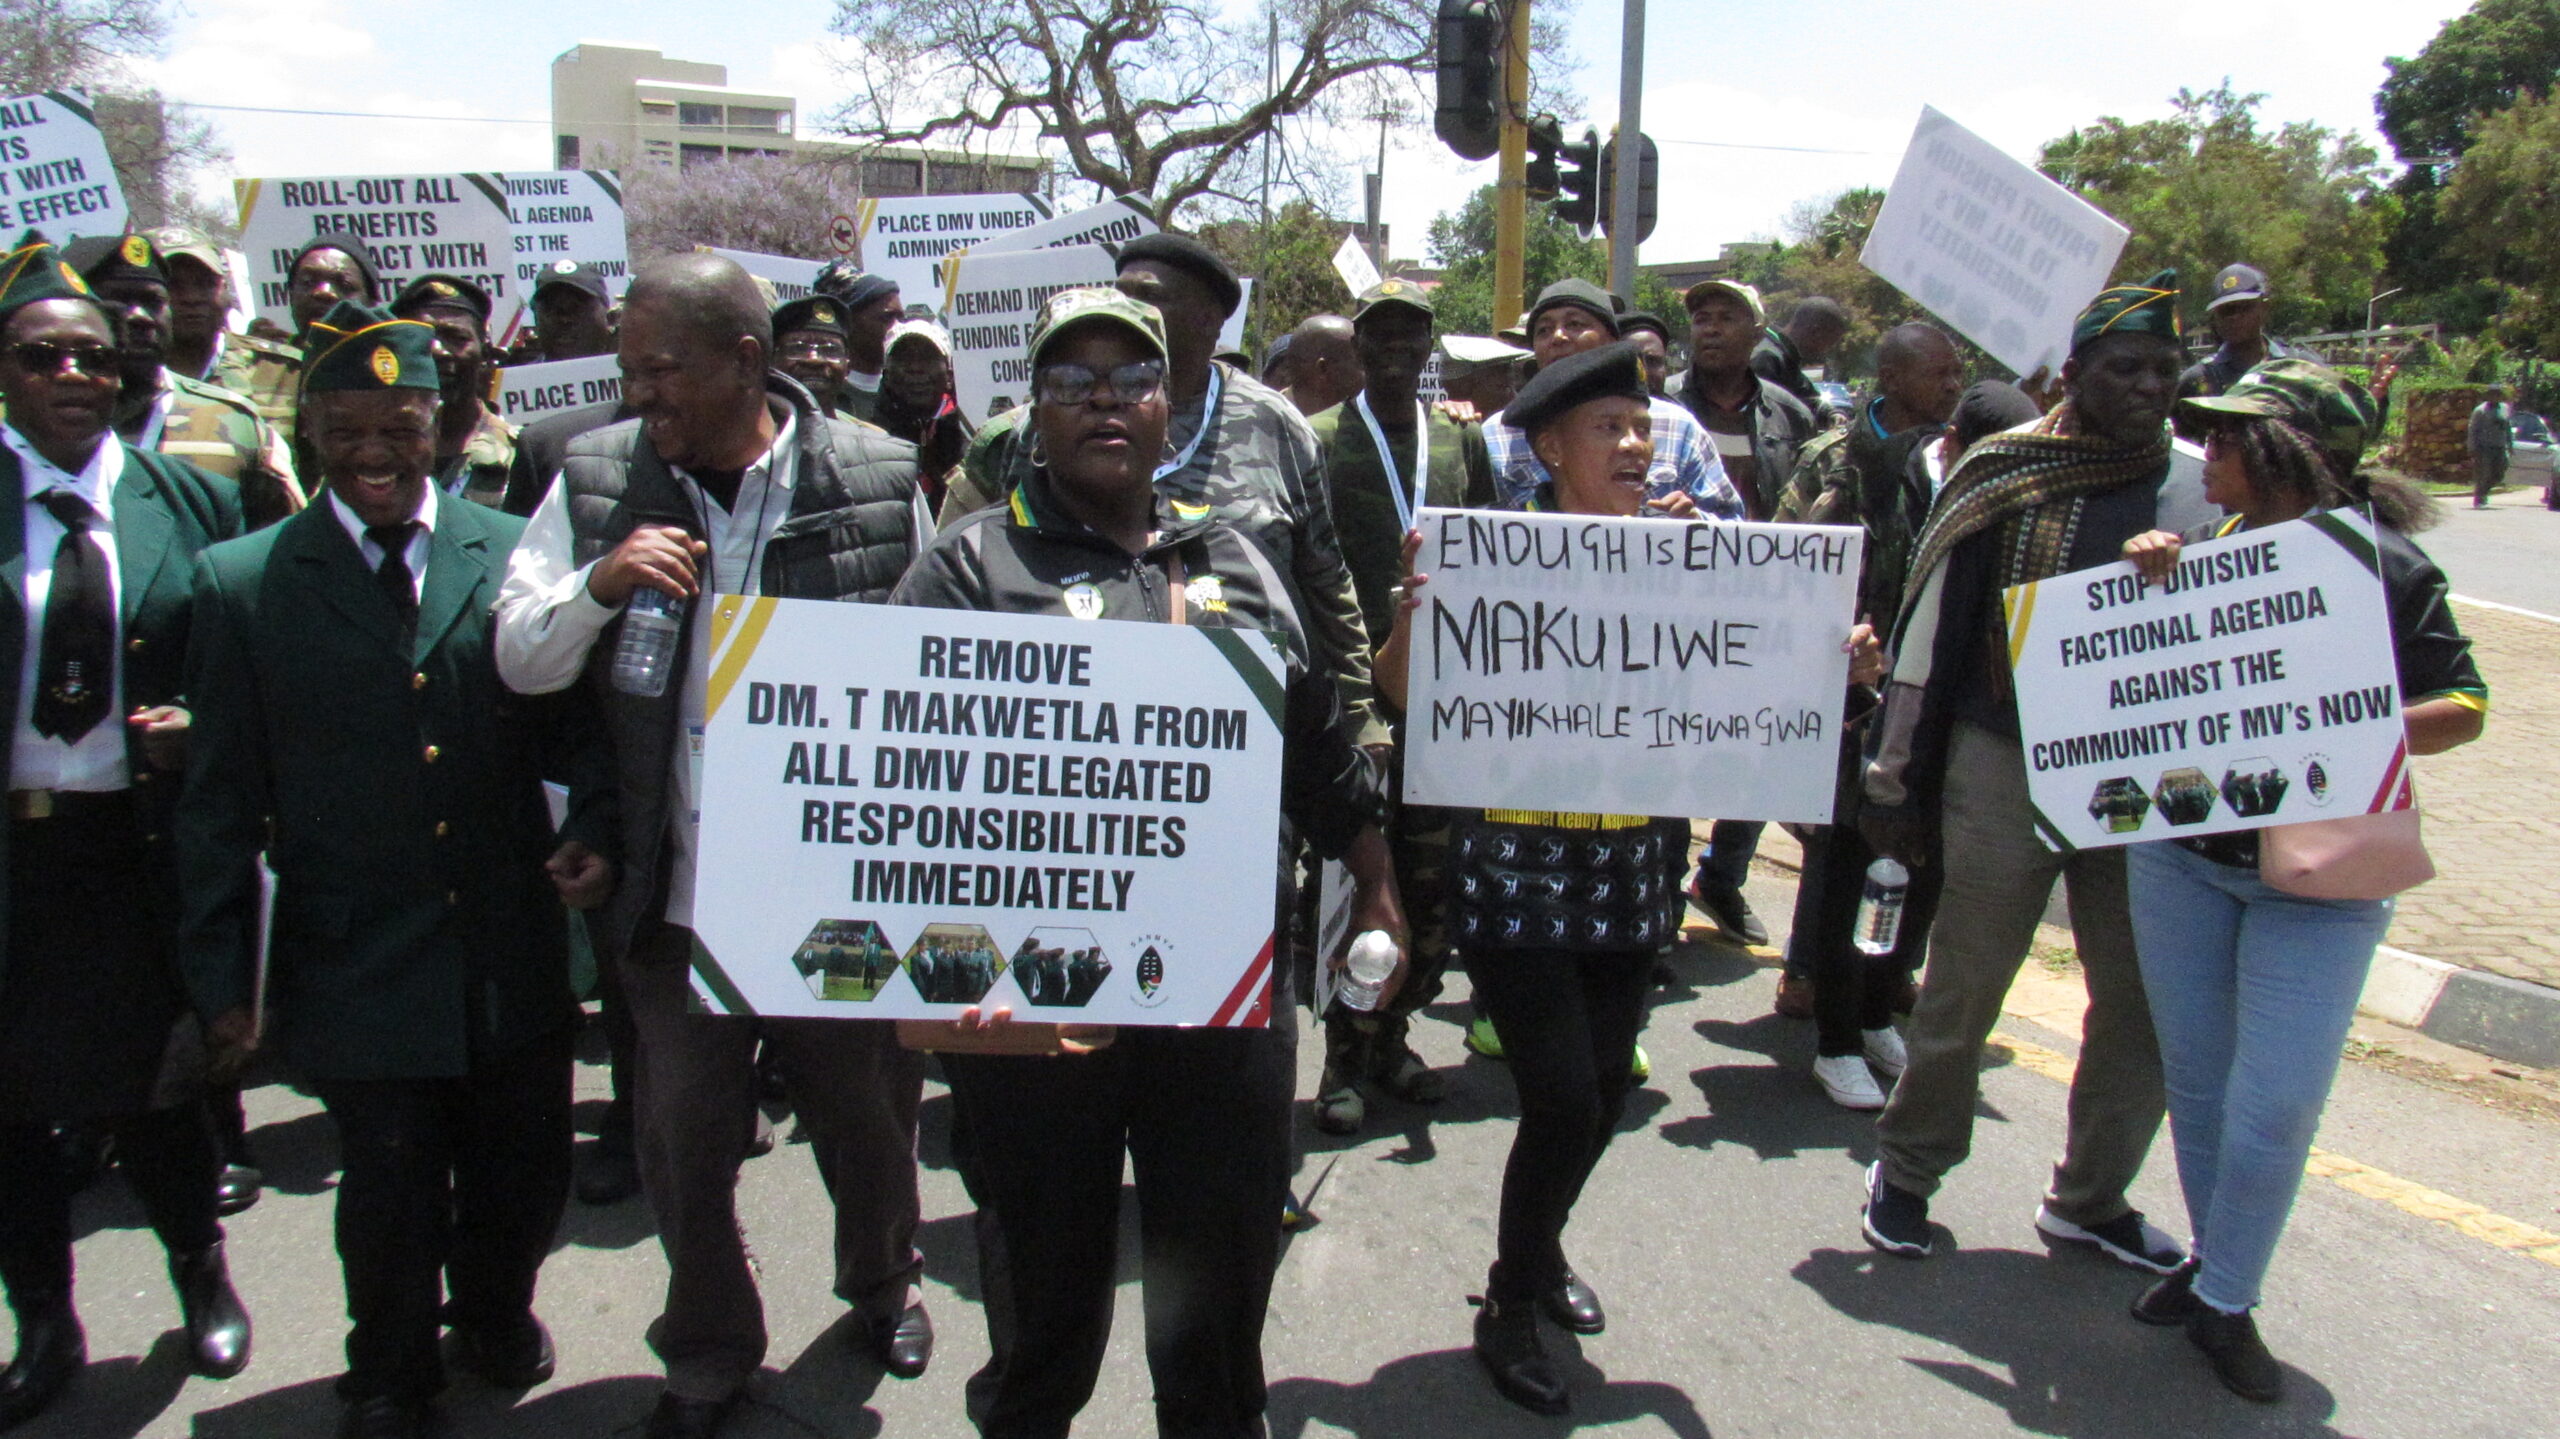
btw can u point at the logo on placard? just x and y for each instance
(2315, 778)
(1084, 601)
(1152, 964)
(386, 365)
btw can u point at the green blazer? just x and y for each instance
(166, 512)
(398, 794)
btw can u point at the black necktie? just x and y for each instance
(73, 680)
(398, 584)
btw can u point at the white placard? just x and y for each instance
(1231, 334)
(907, 811)
(2006, 256)
(1629, 666)
(414, 224)
(54, 172)
(1351, 261)
(529, 392)
(904, 238)
(2256, 687)
(1113, 222)
(791, 279)
(991, 310)
(571, 215)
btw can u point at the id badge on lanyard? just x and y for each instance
(1407, 503)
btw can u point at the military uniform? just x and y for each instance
(479, 472)
(222, 432)
(269, 374)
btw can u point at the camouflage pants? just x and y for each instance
(1356, 1043)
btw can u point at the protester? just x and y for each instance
(1478, 373)
(2238, 314)
(94, 1026)
(350, 724)
(1945, 774)
(572, 312)
(2491, 438)
(919, 404)
(475, 446)
(2252, 988)
(330, 267)
(1275, 365)
(729, 480)
(1814, 329)
(1569, 317)
(1203, 1114)
(1324, 364)
(1386, 455)
(809, 346)
(1987, 408)
(1652, 339)
(871, 307)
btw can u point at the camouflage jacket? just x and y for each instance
(269, 373)
(1854, 476)
(221, 432)
(479, 472)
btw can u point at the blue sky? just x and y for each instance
(1848, 75)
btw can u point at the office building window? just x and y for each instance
(749, 117)
(692, 114)
(568, 153)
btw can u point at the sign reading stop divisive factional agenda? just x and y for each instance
(414, 224)
(2254, 686)
(906, 812)
(562, 217)
(1629, 666)
(54, 172)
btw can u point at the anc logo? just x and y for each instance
(385, 365)
(1084, 601)
(136, 251)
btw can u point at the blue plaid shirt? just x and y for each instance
(1684, 458)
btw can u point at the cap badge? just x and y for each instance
(564, 267)
(136, 250)
(385, 365)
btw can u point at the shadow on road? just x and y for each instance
(116, 1398)
(1445, 1393)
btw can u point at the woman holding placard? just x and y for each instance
(2252, 985)
(1045, 1112)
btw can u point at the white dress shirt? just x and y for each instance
(96, 762)
(548, 621)
(422, 540)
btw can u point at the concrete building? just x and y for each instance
(619, 105)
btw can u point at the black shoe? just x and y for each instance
(1731, 912)
(2240, 1357)
(677, 1417)
(2128, 1239)
(514, 1355)
(1573, 1305)
(2172, 1301)
(51, 1349)
(1508, 1346)
(609, 1173)
(384, 1417)
(904, 1345)
(217, 1323)
(238, 1187)
(1896, 1220)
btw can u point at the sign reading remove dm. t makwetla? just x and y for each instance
(906, 812)
(1629, 666)
(2254, 686)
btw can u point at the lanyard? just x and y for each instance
(1405, 505)
(1208, 417)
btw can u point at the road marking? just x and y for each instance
(2508, 609)
(2461, 1215)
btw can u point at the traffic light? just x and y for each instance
(1648, 184)
(1469, 117)
(1546, 137)
(1577, 201)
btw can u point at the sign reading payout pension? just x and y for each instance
(2255, 686)
(1113, 222)
(1629, 666)
(414, 224)
(563, 215)
(54, 172)
(1990, 246)
(909, 811)
(529, 392)
(904, 238)
(992, 308)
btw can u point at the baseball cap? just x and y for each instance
(2236, 283)
(1095, 303)
(575, 274)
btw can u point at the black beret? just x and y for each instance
(1634, 320)
(1611, 371)
(1191, 258)
(355, 249)
(101, 258)
(441, 291)
(1581, 294)
(810, 312)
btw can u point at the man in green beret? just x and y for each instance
(2062, 495)
(352, 725)
(474, 443)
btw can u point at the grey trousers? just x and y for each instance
(1999, 875)
(855, 1090)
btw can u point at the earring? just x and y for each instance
(1039, 451)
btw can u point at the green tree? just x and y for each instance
(1818, 255)
(1291, 260)
(1461, 244)
(2496, 215)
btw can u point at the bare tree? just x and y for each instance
(158, 149)
(772, 204)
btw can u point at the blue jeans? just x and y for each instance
(1725, 862)
(2251, 991)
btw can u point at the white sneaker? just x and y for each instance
(1885, 1051)
(1845, 1078)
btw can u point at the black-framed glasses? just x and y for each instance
(46, 358)
(1134, 383)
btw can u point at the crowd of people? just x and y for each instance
(309, 637)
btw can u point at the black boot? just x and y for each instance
(217, 1325)
(51, 1349)
(1508, 1346)
(2240, 1357)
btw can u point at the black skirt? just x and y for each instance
(1579, 883)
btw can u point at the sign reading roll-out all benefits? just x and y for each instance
(54, 172)
(414, 224)
(909, 811)
(2255, 686)
(1629, 666)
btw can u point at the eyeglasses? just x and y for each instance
(824, 347)
(1134, 383)
(46, 358)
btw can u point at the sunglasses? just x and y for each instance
(46, 358)
(1134, 383)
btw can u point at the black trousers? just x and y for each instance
(167, 1155)
(448, 1184)
(1853, 991)
(1568, 1024)
(1203, 1116)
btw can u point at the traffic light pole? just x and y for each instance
(1629, 157)
(1511, 195)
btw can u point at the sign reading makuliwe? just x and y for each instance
(529, 392)
(54, 172)
(414, 224)
(906, 812)
(904, 238)
(562, 217)
(2255, 686)
(1629, 666)
(993, 307)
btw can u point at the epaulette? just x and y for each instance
(218, 394)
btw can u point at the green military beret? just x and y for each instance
(358, 347)
(35, 272)
(1611, 371)
(1093, 303)
(2333, 410)
(2150, 308)
(101, 259)
(443, 292)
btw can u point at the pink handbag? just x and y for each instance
(2355, 856)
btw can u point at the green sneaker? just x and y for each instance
(1339, 1108)
(1482, 1039)
(1644, 1065)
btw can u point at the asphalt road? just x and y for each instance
(2508, 553)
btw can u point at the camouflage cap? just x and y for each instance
(1392, 292)
(2334, 410)
(178, 242)
(1094, 303)
(359, 347)
(37, 272)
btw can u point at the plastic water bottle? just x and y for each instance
(1880, 907)
(650, 624)
(1373, 958)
